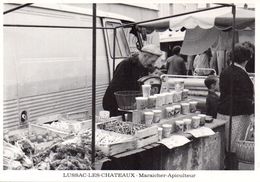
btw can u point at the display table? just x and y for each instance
(206, 153)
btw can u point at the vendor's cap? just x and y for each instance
(152, 49)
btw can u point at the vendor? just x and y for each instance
(127, 74)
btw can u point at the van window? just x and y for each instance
(122, 48)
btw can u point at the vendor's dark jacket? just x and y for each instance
(212, 104)
(243, 92)
(125, 77)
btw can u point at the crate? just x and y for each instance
(41, 130)
(141, 142)
(142, 137)
(75, 121)
(123, 144)
(146, 136)
(76, 116)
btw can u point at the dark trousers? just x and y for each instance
(231, 162)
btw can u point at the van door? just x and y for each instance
(122, 50)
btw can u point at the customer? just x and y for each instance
(243, 97)
(250, 66)
(175, 63)
(127, 74)
(212, 83)
(202, 61)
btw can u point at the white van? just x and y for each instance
(49, 70)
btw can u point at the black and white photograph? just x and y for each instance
(129, 91)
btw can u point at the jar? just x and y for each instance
(179, 126)
(174, 97)
(170, 112)
(159, 100)
(160, 133)
(166, 130)
(146, 90)
(195, 122)
(187, 124)
(177, 110)
(193, 106)
(178, 96)
(169, 98)
(157, 116)
(151, 101)
(185, 108)
(148, 118)
(179, 85)
(202, 119)
(141, 102)
(185, 94)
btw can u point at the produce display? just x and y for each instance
(128, 128)
(107, 138)
(72, 153)
(15, 158)
(61, 125)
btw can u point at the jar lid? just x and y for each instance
(195, 117)
(166, 125)
(179, 122)
(141, 98)
(148, 113)
(157, 111)
(193, 102)
(185, 104)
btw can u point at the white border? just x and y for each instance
(200, 175)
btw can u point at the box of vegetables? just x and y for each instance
(111, 143)
(141, 134)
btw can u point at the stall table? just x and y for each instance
(206, 153)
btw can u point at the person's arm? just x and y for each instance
(183, 68)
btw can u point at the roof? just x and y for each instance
(79, 10)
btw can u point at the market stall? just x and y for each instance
(165, 131)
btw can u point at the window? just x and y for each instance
(122, 48)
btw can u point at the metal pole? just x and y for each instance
(16, 8)
(52, 26)
(114, 51)
(181, 14)
(93, 85)
(231, 78)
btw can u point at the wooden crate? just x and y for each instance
(127, 143)
(75, 121)
(78, 115)
(141, 142)
(41, 130)
(144, 136)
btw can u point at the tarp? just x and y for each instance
(221, 18)
(206, 29)
(211, 29)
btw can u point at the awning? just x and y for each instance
(220, 18)
(207, 28)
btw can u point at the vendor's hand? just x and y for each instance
(157, 72)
